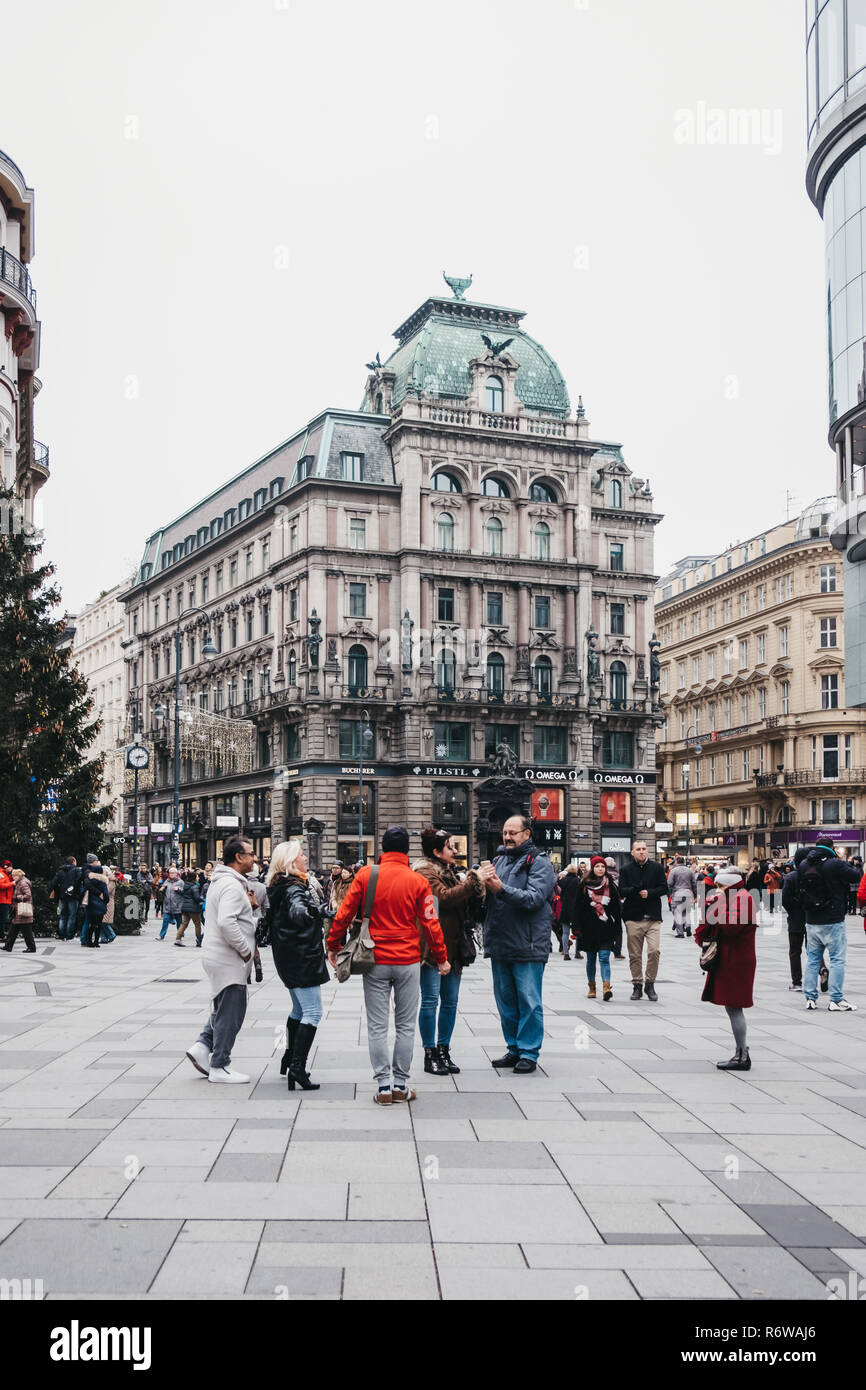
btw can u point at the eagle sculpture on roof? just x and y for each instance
(496, 348)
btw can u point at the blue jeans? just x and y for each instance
(307, 1005)
(66, 920)
(833, 937)
(172, 918)
(517, 991)
(591, 958)
(107, 933)
(442, 990)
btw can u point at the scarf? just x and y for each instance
(599, 897)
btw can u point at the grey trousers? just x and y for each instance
(224, 1024)
(405, 980)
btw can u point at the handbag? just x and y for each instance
(710, 954)
(467, 947)
(24, 912)
(355, 956)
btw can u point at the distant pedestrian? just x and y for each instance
(172, 900)
(682, 891)
(823, 881)
(22, 912)
(107, 933)
(796, 915)
(190, 908)
(599, 911)
(517, 925)
(402, 908)
(95, 902)
(642, 885)
(569, 887)
(227, 957)
(6, 886)
(65, 887)
(613, 871)
(729, 917)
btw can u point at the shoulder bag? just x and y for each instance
(355, 956)
(710, 953)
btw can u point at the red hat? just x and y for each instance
(598, 859)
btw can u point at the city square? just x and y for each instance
(627, 1168)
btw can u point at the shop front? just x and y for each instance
(846, 840)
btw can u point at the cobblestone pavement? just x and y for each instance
(627, 1167)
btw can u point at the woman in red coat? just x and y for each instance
(729, 915)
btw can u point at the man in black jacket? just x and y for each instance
(823, 882)
(66, 890)
(642, 884)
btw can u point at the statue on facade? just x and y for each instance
(315, 639)
(593, 664)
(655, 664)
(504, 761)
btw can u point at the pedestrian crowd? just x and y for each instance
(410, 928)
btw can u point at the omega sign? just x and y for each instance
(628, 779)
(533, 774)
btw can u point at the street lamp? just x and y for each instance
(687, 777)
(365, 738)
(209, 651)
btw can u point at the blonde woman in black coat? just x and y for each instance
(299, 955)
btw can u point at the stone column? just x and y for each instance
(473, 636)
(569, 656)
(387, 651)
(569, 533)
(475, 533)
(522, 528)
(521, 670)
(426, 522)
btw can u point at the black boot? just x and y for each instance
(433, 1063)
(741, 1061)
(637, 991)
(301, 1051)
(649, 990)
(445, 1058)
(291, 1030)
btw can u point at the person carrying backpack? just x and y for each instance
(822, 884)
(65, 890)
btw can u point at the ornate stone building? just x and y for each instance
(23, 460)
(97, 632)
(396, 593)
(753, 674)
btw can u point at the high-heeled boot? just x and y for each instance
(741, 1061)
(297, 1067)
(291, 1030)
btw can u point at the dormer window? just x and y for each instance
(260, 497)
(495, 394)
(244, 508)
(229, 518)
(305, 467)
(276, 486)
(353, 467)
(203, 535)
(215, 527)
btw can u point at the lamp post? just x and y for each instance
(365, 737)
(687, 777)
(208, 651)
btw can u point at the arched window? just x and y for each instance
(492, 487)
(496, 673)
(542, 541)
(357, 668)
(444, 482)
(293, 669)
(446, 532)
(495, 394)
(541, 492)
(494, 536)
(618, 678)
(446, 670)
(785, 816)
(615, 492)
(544, 676)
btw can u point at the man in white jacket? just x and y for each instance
(229, 943)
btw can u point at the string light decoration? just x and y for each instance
(220, 746)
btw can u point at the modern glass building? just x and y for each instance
(836, 182)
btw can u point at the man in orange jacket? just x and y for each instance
(403, 906)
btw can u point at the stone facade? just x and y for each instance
(98, 631)
(23, 460)
(452, 573)
(752, 672)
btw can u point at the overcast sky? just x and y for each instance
(237, 203)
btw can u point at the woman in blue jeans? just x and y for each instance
(453, 896)
(599, 920)
(299, 956)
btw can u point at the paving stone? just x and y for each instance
(21, 1147)
(548, 1214)
(756, 1188)
(213, 1231)
(675, 1253)
(799, 1225)
(536, 1285)
(246, 1167)
(386, 1201)
(487, 1156)
(237, 1201)
(698, 1219)
(468, 1256)
(92, 1256)
(295, 1282)
(222, 1271)
(764, 1273)
(385, 1233)
(828, 1263)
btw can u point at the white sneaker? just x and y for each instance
(200, 1057)
(797, 987)
(843, 1007)
(225, 1075)
(811, 1003)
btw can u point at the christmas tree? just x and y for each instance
(49, 791)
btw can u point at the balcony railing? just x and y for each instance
(11, 162)
(40, 456)
(13, 273)
(550, 426)
(855, 775)
(376, 693)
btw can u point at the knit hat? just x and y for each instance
(597, 859)
(93, 858)
(395, 840)
(728, 877)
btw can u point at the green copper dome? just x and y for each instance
(440, 339)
